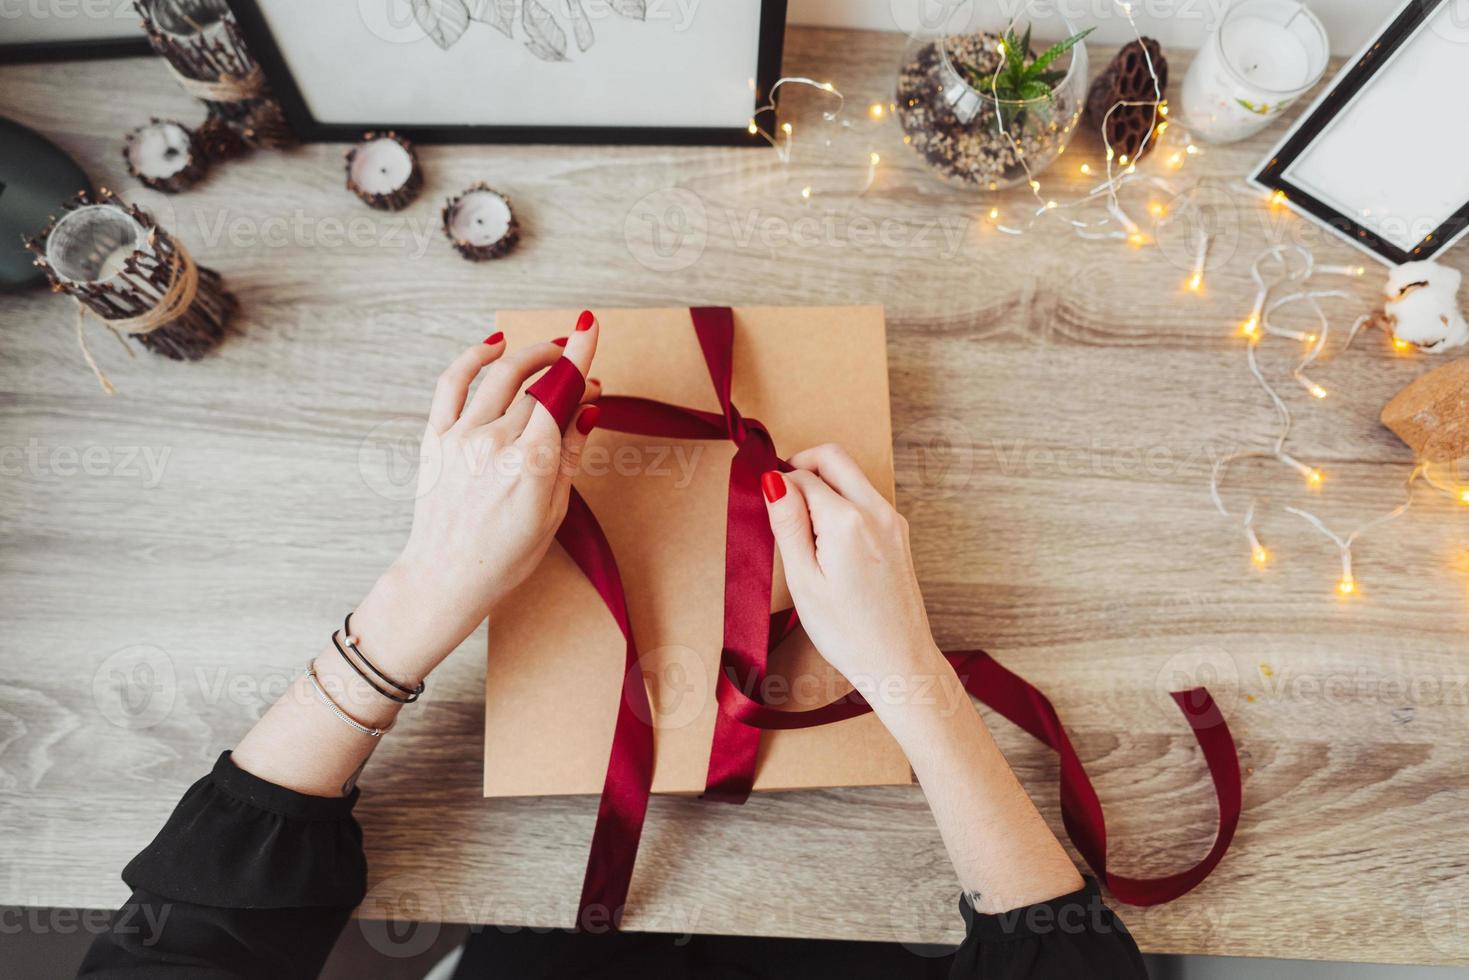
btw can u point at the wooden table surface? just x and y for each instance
(173, 554)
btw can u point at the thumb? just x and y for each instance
(790, 522)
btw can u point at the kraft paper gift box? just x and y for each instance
(556, 659)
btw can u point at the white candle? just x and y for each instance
(481, 218)
(381, 166)
(1264, 55)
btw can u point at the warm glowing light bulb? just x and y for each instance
(1157, 210)
(994, 214)
(753, 128)
(1109, 153)
(1137, 239)
(1175, 161)
(1035, 185)
(1259, 556)
(1251, 327)
(1086, 168)
(1122, 159)
(1163, 107)
(1400, 345)
(786, 128)
(1315, 478)
(876, 110)
(806, 192)
(1309, 338)
(1317, 391)
(1191, 149)
(1050, 205)
(828, 86)
(1196, 281)
(1000, 47)
(1278, 197)
(874, 159)
(1464, 496)
(1347, 586)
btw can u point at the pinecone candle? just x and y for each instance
(165, 156)
(383, 171)
(480, 224)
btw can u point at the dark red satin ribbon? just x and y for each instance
(750, 632)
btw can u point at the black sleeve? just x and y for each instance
(247, 878)
(1073, 937)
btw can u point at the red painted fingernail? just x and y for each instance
(495, 337)
(773, 485)
(587, 420)
(585, 321)
(594, 381)
(559, 341)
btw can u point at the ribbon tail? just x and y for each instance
(629, 781)
(1081, 810)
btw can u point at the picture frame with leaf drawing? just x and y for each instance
(520, 71)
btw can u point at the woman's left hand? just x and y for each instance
(495, 476)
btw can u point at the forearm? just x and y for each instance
(1000, 846)
(300, 743)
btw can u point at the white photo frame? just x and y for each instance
(1379, 159)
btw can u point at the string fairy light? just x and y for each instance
(1113, 222)
(1255, 328)
(783, 147)
(1121, 171)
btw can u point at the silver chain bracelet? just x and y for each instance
(326, 699)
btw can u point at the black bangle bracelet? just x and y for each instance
(411, 692)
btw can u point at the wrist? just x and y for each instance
(396, 628)
(914, 676)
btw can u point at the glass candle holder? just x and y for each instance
(1264, 55)
(115, 261)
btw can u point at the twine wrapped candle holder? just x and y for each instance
(165, 156)
(383, 171)
(480, 223)
(205, 49)
(136, 278)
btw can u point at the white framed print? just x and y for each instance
(520, 71)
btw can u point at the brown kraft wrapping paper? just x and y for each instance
(812, 375)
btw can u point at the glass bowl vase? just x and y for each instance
(947, 102)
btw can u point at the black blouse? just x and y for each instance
(250, 879)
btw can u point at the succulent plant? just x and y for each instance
(1022, 76)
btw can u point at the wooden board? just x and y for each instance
(1055, 406)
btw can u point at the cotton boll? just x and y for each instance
(1422, 305)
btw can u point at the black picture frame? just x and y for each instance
(1343, 88)
(75, 50)
(311, 130)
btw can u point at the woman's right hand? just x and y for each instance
(848, 566)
